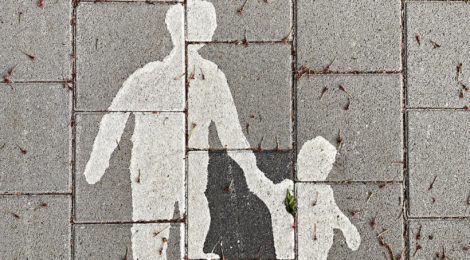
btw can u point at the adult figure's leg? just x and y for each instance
(199, 217)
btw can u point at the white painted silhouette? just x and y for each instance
(210, 100)
(157, 161)
(321, 215)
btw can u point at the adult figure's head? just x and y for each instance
(175, 23)
(202, 20)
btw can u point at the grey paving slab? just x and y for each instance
(35, 227)
(38, 41)
(439, 239)
(360, 115)
(113, 40)
(34, 138)
(246, 232)
(123, 192)
(349, 36)
(114, 241)
(260, 80)
(257, 20)
(438, 71)
(438, 163)
(374, 209)
(111, 198)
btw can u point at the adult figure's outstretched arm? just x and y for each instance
(232, 138)
(109, 135)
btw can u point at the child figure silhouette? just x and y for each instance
(318, 213)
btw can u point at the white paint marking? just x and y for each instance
(157, 161)
(318, 212)
(150, 241)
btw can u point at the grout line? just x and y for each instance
(240, 42)
(336, 182)
(439, 218)
(186, 83)
(130, 222)
(435, 109)
(124, 111)
(255, 150)
(406, 207)
(314, 72)
(294, 116)
(72, 126)
(19, 194)
(149, 2)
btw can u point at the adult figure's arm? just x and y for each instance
(109, 135)
(230, 133)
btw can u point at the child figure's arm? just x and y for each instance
(111, 128)
(353, 238)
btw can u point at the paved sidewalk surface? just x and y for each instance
(384, 83)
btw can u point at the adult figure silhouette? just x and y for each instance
(157, 169)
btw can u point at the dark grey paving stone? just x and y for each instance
(439, 239)
(438, 163)
(114, 241)
(258, 20)
(34, 138)
(110, 199)
(260, 80)
(374, 209)
(43, 33)
(113, 40)
(35, 227)
(246, 231)
(437, 42)
(355, 35)
(367, 115)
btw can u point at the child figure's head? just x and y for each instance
(315, 160)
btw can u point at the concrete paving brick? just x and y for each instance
(45, 33)
(260, 78)
(121, 194)
(439, 239)
(258, 20)
(114, 241)
(353, 35)
(438, 163)
(35, 227)
(110, 47)
(246, 232)
(437, 43)
(34, 138)
(366, 114)
(111, 198)
(374, 209)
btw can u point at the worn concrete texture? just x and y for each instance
(350, 35)
(438, 53)
(35, 138)
(38, 42)
(256, 20)
(439, 239)
(438, 161)
(114, 241)
(256, 129)
(362, 116)
(376, 210)
(35, 227)
(113, 40)
(259, 78)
